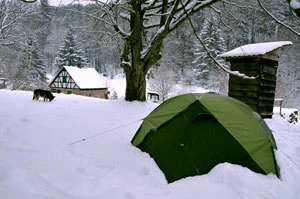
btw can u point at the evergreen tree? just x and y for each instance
(31, 72)
(69, 54)
(205, 72)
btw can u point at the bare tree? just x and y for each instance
(143, 25)
(10, 13)
(148, 24)
(161, 82)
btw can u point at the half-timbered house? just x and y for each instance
(258, 60)
(79, 81)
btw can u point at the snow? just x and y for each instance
(38, 161)
(255, 49)
(86, 78)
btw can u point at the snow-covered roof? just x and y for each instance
(86, 78)
(257, 49)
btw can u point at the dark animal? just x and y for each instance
(47, 95)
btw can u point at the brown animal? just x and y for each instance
(47, 95)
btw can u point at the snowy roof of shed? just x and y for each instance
(258, 49)
(86, 78)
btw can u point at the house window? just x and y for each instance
(64, 79)
(69, 92)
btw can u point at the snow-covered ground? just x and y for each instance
(43, 155)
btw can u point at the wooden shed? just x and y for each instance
(260, 59)
(79, 81)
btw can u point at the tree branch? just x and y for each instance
(234, 73)
(275, 19)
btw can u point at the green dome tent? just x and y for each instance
(189, 134)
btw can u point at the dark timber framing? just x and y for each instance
(64, 83)
(257, 60)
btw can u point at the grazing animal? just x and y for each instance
(47, 95)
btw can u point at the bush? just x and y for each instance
(293, 117)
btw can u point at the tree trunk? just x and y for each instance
(135, 85)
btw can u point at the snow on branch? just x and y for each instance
(151, 43)
(176, 12)
(187, 8)
(125, 16)
(224, 68)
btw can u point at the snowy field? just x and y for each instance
(42, 155)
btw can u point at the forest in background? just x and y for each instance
(38, 32)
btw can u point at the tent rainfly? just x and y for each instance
(189, 134)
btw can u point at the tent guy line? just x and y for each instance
(285, 154)
(104, 132)
(286, 138)
(289, 158)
